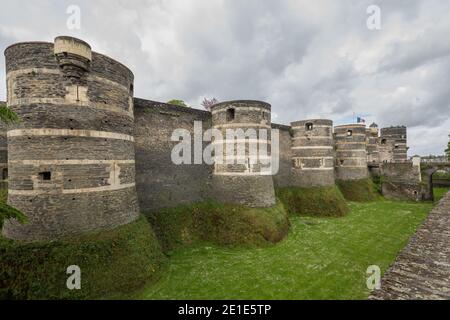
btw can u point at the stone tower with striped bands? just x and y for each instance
(71, 157)
(248, 183)
(351, 152)
(312, 153)
(395, 138)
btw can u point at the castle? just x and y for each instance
(87, 155)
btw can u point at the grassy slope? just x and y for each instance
(113, 262)
(322, 258)
(361, 190)
(439, 193)
(317, 201)
(222, 224)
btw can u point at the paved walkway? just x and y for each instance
(422, 269)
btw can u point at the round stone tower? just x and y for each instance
(395, 137)
(71, 157)
(243, 174)
(372, 143)
(312, 153)
(351, 152)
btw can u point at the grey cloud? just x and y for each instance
(308, 59)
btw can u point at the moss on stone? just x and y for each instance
(222, 224)
(315, 201)
(112, 263)
(361, 190)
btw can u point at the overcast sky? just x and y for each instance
(307, 58)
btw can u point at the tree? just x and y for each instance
(7, 116)
(208, 103)
(176, 102)
(447, 151)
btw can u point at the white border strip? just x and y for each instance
(228, 141)
(244, 125)
(68, 132)
(315, 169)
(312, 147)
(314, 126)
(313, 137)
(255, 174)
(69, 162)
(69, 191)
(225, 108)
(312, 157)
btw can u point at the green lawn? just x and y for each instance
(321, 258)
(439, 193)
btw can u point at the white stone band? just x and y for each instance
(68, 132)
(69, 162)
(70, 191)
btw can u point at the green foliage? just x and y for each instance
(113, 263)
(358, 190)
(221, 224)
(176, 102)
(8, 116)
(8, 212)
(439, 193)
(447, 151)
(317, 201)
(377, 181)
(321, 258)
(441, 175)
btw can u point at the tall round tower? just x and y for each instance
(372, 143)
(312, 153)
(351, 152)
(71, 157)
(395, 137)
(242, 176)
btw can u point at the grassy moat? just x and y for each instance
(321, 258)
(207, 256)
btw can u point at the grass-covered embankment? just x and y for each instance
(317, 201)
(361, 190)
(112, 262)
(439, 192)
(221, 224)
(321, 258)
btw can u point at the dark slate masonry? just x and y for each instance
(86, 155)
(161, 183)
(244, 183)
(71, 157)
(351, 152)
(312, 153)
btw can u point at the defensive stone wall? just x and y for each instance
(84, 145)
(283, 177)
(160, 182)
(402, 181)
